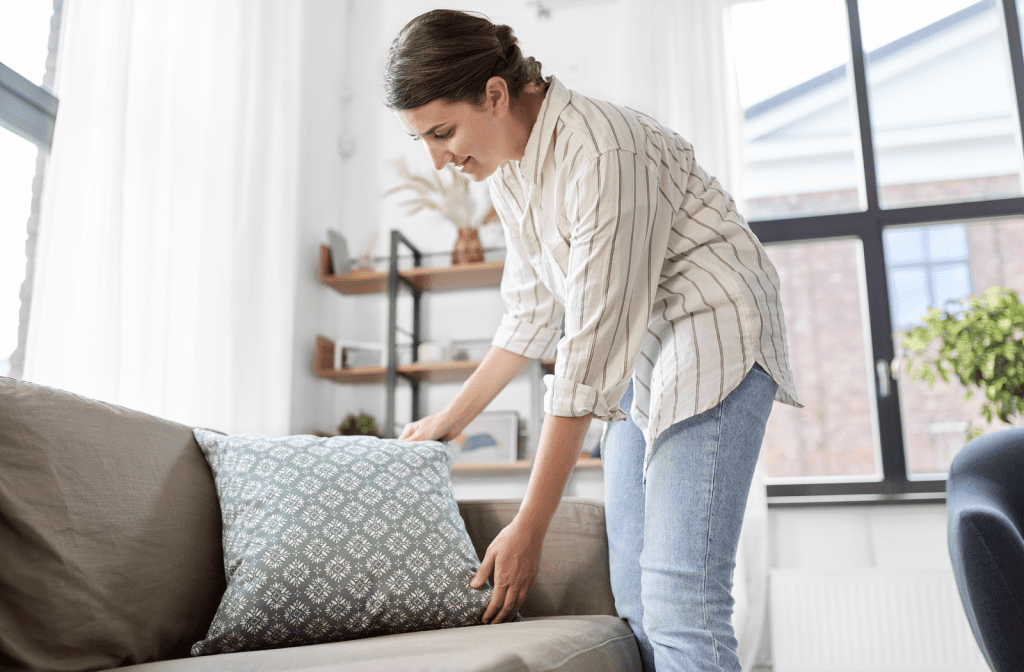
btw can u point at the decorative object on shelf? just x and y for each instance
(359, 355)
(339, 252)
(493, 437)
(362, 424)
(468, 249)
(452, 201)
(470, 350)
(981, 340)
(365, 260)
(434, 351)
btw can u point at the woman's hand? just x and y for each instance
(436, 427)
(514, 557)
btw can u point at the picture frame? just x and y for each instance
(340, 261)
(492, 437)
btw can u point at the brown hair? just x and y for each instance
(451, 55)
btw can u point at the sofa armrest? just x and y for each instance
(573, 577)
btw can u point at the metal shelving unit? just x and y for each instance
(417, 280)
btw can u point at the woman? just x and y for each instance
(673, 329)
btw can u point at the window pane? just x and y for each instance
(923, 276)
(799, 126)
(951, 281)
(25, 36)
(904, 245)
(17, 170)
(823, 299)
(908, 292)
(943, 113)
(935, 420)
(947, 241)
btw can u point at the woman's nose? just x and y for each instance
(439, 156)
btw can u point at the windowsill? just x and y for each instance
(856, 500)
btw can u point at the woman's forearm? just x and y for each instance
(561, 441)
(497, 370)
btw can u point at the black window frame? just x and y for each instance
(895, 485)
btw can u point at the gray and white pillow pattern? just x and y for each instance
(327, 539)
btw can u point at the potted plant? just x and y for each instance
(361, 424)
(980, 340)
(451, 199)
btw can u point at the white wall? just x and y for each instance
(333, 194)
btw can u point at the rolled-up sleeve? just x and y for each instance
(611, 207)
(532, 320)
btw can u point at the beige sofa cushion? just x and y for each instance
(558, 644)
(573, 577)
(110, 531)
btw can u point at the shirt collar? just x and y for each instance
(556, 99)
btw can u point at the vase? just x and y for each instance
(468, 249)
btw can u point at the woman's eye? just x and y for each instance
(442, 136)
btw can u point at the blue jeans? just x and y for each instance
(672, 545)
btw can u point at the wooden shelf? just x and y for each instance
(438, 372)
(430, 372)
(518, 466)
(323, 366)
(463, 276)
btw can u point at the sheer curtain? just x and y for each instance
(682, 74)
(165, 272)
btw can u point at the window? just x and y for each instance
(927, 266)
(883, 171)
(27, 114)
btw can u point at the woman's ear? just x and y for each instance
(496, 94)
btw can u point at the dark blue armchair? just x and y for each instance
(985, 500)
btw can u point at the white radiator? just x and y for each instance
(869, 621)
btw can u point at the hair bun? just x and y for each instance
(533, 69)
(451, 55)
(506, 36)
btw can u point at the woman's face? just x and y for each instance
(468, 136)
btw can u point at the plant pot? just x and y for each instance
(468, 249)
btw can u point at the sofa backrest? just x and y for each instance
(573, 575)
(109, 530)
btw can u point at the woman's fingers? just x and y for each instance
(430, 428)
(494, 608)
(481, 575)
(411, 432)
(514, 557)
(511, 604)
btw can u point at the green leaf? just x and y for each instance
(980, 341)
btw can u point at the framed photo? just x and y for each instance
(492, 437)
(339, 252)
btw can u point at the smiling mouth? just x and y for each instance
(460, 166)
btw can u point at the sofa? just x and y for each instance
(113, 556)
(985, 515)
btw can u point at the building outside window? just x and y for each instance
(28, 38)
(926, 266)
(883, 163)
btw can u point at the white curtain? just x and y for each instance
(683, 75)
(165, 276)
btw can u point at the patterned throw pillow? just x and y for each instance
(327, 539)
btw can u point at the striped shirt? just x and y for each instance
(631, 262)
